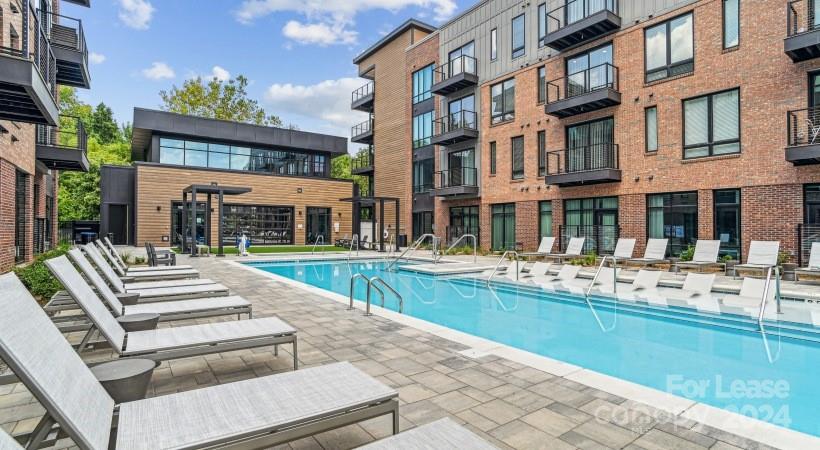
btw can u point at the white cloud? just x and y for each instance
(136, 14)
(96, 58)
(332, 21)
(220, 73)
(158, 71)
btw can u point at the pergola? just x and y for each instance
(358, 202)
(209, 190)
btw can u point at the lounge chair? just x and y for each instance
(119, 265)
(748, 301)
(762, 257)
(441, 434)
(152, 274)
(696, 287)
(813, 269)
(178, 342)
(644, 283)
(544, 248)
(549, 282)
(655, 253)
(538, 269)
(254, 413)
(624, 249)
(7, 442)
(574, 249)
(706, 255)
(605, 279)
(170, 310)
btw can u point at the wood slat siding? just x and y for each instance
(158, 186)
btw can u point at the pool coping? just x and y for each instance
(703, 414)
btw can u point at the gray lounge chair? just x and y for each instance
(574, 249)
(813, 269)
(178, 342)
(655, 253)
(122, 265)
(7, 442)
(762, 257)
(544, 248)
(154, 273)
(706, 255)
(624, 249)
(441, 434)
(254, 413)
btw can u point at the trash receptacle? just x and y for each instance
(87, 237)
(402, 240)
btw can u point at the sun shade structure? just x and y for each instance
(209, 190)
(358, 202)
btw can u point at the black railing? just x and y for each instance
(361, 128)
(575, 10)
(602, 76)
(34, 45)
(582, 159)
(600, 239)
(364, 91)
(457, 176)
(70, 134)
(365, 190)
(800, 17)
(803, 126)
(67, 32)
(461, 120)
(423, 187)
(456, 66)
(363, 160)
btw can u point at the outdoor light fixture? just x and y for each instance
(298, 190)
(159, 208)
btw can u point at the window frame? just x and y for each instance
(541, 141)
(710, 144)
(541, 213)
(424, 140)
(428, 94)
(494, 44)
(514, 174)
(646, 130)
(493, 154)
(723, 24)
(739, 207)
(542, 85)
(669, 65)
(504, 110)
(421, 164)
(542, 21)
(523, 48)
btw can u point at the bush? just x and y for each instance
(587, 260)
(36, 276)
(688, 254)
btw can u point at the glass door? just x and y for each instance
(462, 113)
(462, 60)
(462, 168)
(589, 71)
(176, 224)
(318, 224)
(589, 146)
(727, 222)
(503, 227)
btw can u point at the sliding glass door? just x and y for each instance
(589, 146)
(503, 226)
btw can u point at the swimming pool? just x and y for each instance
(717, 360)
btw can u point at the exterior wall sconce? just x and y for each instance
(159, 208)
(299, 191)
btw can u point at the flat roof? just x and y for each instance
(410, 23)
(216, 189)
(148, 122)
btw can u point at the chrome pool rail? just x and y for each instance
(379, 280)
(764, 300)
(354, 239)
(614, 275)
(500, 260)
(475, 247)
(353, 284)
(320, 238)
(414, 247)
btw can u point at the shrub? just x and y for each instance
(36, 276)
(688, 254)
(586, 260)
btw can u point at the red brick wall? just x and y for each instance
(7, 215)
(771, 213)
(632, 220)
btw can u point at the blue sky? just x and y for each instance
(297, 54)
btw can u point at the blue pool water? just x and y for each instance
(721, 361)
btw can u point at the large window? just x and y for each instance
(221, 156)
(422, 129)
(462, 113)
(517, 150)
(463, 220)
(670, 48)
(727, 221)
(492, 158)
(595, 219)
(462, 59)
(422, 223)
(542, 84)
(711, 124)
(518, 36)
(423, 175)
(503, 226)
(673, 216)
(202, 235)
(461, 168)
(503, 101)
(264, 225)
(422, 83)
(493, 44)
(590, 146)
(542, 24)
(651, 125)
(545, 218)
(811, 204)
(317, 224)
(731, 23)
(542, 153)
(590, 70)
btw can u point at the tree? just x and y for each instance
(103, 126)
(217, 99)
(340, 168)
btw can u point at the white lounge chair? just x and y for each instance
(441, 434)
(255, 413)
(549, 282)
(706, 254)
(538, 269)
(655, 253)
(813, 269)
(762, 257)
(146, 275)
(696, 287)
(122, 265)
(605, 279)
(574, 249)
(544, 248)
(645, 283)
(749, 300)
(7, 442)
(624, 249)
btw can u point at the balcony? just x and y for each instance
(28, 87)
(68, 42)
(455, 75)
(362, 163)
(582, 92)
(63, 148)
(362, 98)
(454, 128)
(580, 21)
(362, 133)
(458, 181)
(803, 146)
(591, 164)
(803, 31)
(86, 3)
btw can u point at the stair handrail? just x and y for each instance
(354, 239)
(475, 246)
(764, 301)
(500, 260)
(353, 284)
(413, 247)
(377, 279)
(315, 244)
(614, 275)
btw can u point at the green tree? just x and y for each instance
(217, 99)
(103, 126)
(340, 168)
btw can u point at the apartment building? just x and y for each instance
(39, 50)
(683, 119)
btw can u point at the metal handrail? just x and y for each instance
(377, 279)
(475, 246)
(413, 247)
(363, 91)
(353, 284)
(320, 238)
(614, 275)
(500, 260)
(354, 239)
(765, 298)
(381, 292)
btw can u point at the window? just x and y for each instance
(670, 49)
(502, 223)
(463, 220)
(542, 153)
(727, 221)
(492, 158)
(462, 113)
(545, 218)
(422, 129)
(542, 84)
(711, 124)
(731, 23)
(814, 88)
(461, 169)
(264, 225)
(651, 124)
(493, 44)
(21, 191)
(542, 24)
(462, 59)
(811, 204)
(673, 216)
(518, 36)
(422, 83)
(422, 223)
(317, 224)
(590, 146)
(517, 150)
(590, 70)
(422, 175)
(595, 219)
(503, 101)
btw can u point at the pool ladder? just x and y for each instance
(321, 239)
(765, 298)
(415, 247)
(501, 260)
(354, 239)
(463, 236)
(371, 285)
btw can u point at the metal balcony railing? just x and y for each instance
(70, 134)
(803, 126)
(34, 45)
(456, 66)
(362, 92)
(66, 32)
(362, 161)
(361, 128)
(457, 176)
(600, 239)
(582, 159)
(575, 10)
(602, 76)
(461, 120)
(801, 17)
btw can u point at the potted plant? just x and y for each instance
(787, 268)
(729, 262)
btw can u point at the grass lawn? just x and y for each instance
(277, 249)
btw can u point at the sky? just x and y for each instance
(297, 54)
